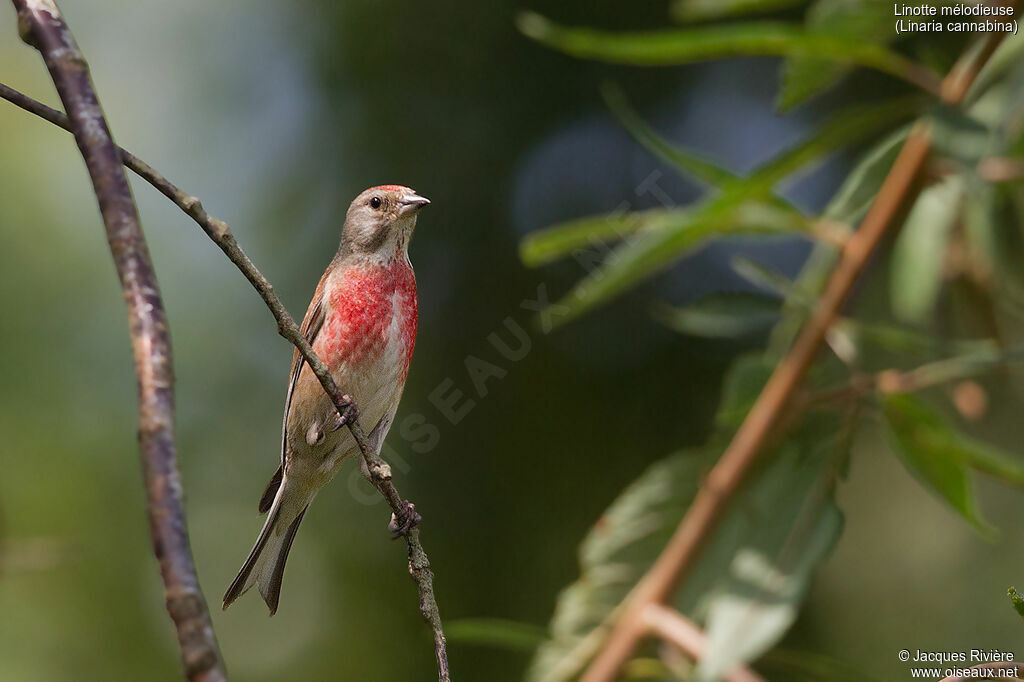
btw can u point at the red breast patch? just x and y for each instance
(366, 307)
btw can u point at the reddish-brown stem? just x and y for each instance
(765, 419)
(672, 626)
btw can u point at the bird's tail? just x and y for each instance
(265, 565)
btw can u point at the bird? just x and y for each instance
(362, 323)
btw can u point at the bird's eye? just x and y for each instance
(375, 202)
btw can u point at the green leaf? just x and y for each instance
(596, 232)
(778, 527)
(861, 186)
(688, 162)
(885, 336)
(1017, 601)
(684, 46)
(767, 278)
(959, 136)
(919, 255)
(590, 240)
(699, 10)
(727, 314)
(613, 556)
(503, 634)
(648, 252)
(868, 22)
(987, 459)
(741, 387)
(768, 577)
(932, 452)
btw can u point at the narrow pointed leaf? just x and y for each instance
(698, 10)
(687, 45)
(728, 314)
(776, 520)
(503, 634)
(596, 234)
(768, 578)
(651, 251)
(929, 449)
(686, 161)
(866, 22)
(861, 186)
(919, 256)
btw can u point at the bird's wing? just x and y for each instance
(311, 325)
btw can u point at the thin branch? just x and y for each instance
(997, 169)
(894, 381)
(380, 472)
(673, 627)
(767, 413)
(42, 26)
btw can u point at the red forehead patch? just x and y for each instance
(392, 188)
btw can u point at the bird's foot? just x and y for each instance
(402, 525)
(348, 414)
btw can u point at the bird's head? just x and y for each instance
(380, 222)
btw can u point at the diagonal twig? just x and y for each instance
(765, 417)
(42, 26)
(674, 627)
(220, 233)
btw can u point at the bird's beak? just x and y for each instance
(411, 203)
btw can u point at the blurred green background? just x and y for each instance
(276, 114)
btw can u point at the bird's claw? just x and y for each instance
(348, 414)
(402, 525)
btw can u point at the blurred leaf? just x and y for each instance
(861, 186)
(726, 314)
(769, 576)
(1017, 601)
(691, 164)
(504, 634)
(590, 239)
(765, 277)
(919, 255)
(749, 577)
(555, 242)
(742, 384)
(867, 22)
(652, 250)
(889, 337)
(992, 461)
(698, 10)
(933, 452)
(683, 46)
(958, 136)
(1006, 57)
(613, 556)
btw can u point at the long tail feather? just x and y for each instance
(265, 565)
